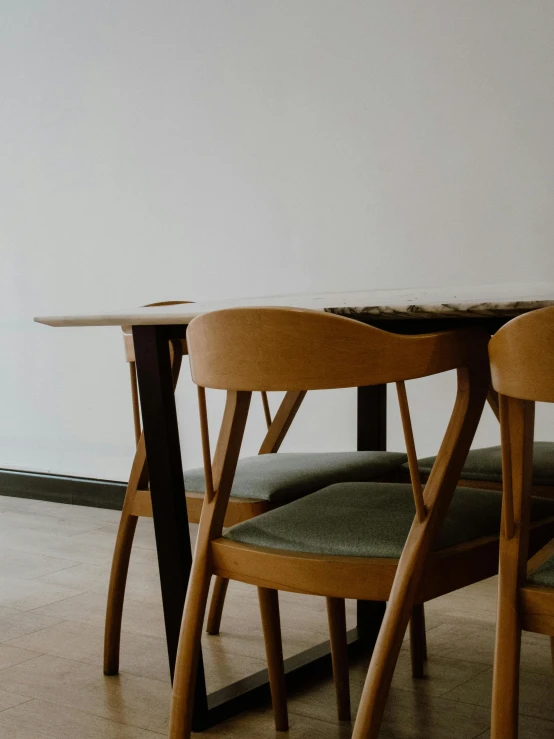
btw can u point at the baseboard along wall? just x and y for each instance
(61, 489)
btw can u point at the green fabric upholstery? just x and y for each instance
(544, 574)
(280, 478)
(371, 520)
(486, 464)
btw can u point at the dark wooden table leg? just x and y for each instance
(167, 487)
(372, 436)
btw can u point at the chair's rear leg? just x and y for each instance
(116, 591)
(269, 608)
(505, 687)
(552, 649)
(418, 641)
(336, 614)
(216, 605)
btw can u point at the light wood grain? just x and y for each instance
(522, 366)
(415, 478)
(290, 349)
(271, 622)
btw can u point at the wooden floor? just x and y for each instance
(54, 564)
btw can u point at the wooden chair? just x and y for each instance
(351, 540)
(483, 469)
(260, 485)
(522, 364)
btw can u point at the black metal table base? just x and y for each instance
(305, 667)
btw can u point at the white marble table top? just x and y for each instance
(444, 302)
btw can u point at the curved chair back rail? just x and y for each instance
(521, 357)
(288, 349)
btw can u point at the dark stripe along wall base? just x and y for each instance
(61, 489)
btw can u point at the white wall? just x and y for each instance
(178, 149)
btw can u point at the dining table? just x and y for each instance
(406, 311)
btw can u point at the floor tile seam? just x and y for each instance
(45, 605)
(484, 668)
(7, 708)
(79, 710)
(522, 712)
(69, 705)
(81, 660)
(38, 578)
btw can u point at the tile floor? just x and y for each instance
(54, 565)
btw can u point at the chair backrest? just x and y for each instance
(290, 349)
(522, 371)
(243, 350)
(522, 357)
(286, 348)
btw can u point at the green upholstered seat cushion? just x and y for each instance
(544, 574)
(486, 464)
(280, 478)
(371, 520)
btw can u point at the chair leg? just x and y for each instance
(186, 664)
(269, 608)
(418, 641)
(505, 684)
(116, 591)
(216, 605)
(336, 614)
(401, 601)
(552, 650)
(120, 562)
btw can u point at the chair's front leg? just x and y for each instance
(116, 591)
(389, 641)
(472, 388)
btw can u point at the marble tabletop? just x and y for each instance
(445, 302)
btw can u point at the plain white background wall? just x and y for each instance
(219, 148)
